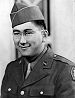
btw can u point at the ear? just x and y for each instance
(44, 34)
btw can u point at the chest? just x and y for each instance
(43, 88)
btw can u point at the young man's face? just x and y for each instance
(28, 39)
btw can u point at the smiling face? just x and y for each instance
(28, 39)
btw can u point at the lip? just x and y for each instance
(24, 47)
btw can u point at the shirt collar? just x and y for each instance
(41, 54)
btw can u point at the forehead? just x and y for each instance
(27, 25)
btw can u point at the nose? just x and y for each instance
(22, 40)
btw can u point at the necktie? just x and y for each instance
(28, 71)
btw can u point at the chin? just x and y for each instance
(25, 54)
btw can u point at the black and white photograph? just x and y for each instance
(37, 48)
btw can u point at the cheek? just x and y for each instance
(35, 41)
(16, 41)
(36, 38)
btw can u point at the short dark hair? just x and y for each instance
(41, 23)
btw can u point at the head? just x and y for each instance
(30, 35)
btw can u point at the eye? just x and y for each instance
(28, 32)
(16, 33)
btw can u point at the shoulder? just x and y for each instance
(11, 65)
(58, 58)
(62, 59)
(65, 67)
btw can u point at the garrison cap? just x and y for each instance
(21, 14)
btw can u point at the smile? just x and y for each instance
(25, 47)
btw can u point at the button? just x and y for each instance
(55, 55)
(20, 62)
(41, 92)
(44, 63)
(9, 89)
(22, 93)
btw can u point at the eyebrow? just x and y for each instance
(23, 30)
(27, 30)
(16, 31)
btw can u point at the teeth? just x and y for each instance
(24, 46)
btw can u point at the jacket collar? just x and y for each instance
(40, 70)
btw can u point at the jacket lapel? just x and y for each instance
(41, 69)
(19, 71)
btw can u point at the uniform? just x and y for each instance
(51, 77)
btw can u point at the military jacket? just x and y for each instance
(53, 76)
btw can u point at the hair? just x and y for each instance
(42, 24)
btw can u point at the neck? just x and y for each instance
(33, 58)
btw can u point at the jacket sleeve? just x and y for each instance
(66, 83)
(4, 84)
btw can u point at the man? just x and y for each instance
(38, 73)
